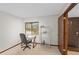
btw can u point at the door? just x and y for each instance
(63, 34)
(74, 34)
(45, 34)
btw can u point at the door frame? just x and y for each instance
(66, 27)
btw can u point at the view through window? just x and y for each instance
(32, 28)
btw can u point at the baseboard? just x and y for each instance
(9, 48)
(49, 44)
(53, 45)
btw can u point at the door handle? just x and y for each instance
(77, 33)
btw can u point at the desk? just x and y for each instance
(33, 40)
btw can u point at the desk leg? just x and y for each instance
(33, 44)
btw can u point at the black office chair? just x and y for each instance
(24, 41)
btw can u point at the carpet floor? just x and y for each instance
(38, 50)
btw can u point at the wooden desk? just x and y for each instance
(33, 40)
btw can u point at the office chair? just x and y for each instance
(24, 41)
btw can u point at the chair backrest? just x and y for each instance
(23, 38)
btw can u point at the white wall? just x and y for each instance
(52, 23)
(10, 27)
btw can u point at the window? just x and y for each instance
(32, 28)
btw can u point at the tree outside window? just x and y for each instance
(32, 28)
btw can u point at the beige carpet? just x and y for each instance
(38, 50)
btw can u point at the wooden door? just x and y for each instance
(73, 34)
(62, 34)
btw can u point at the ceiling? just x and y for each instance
(25, 10)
